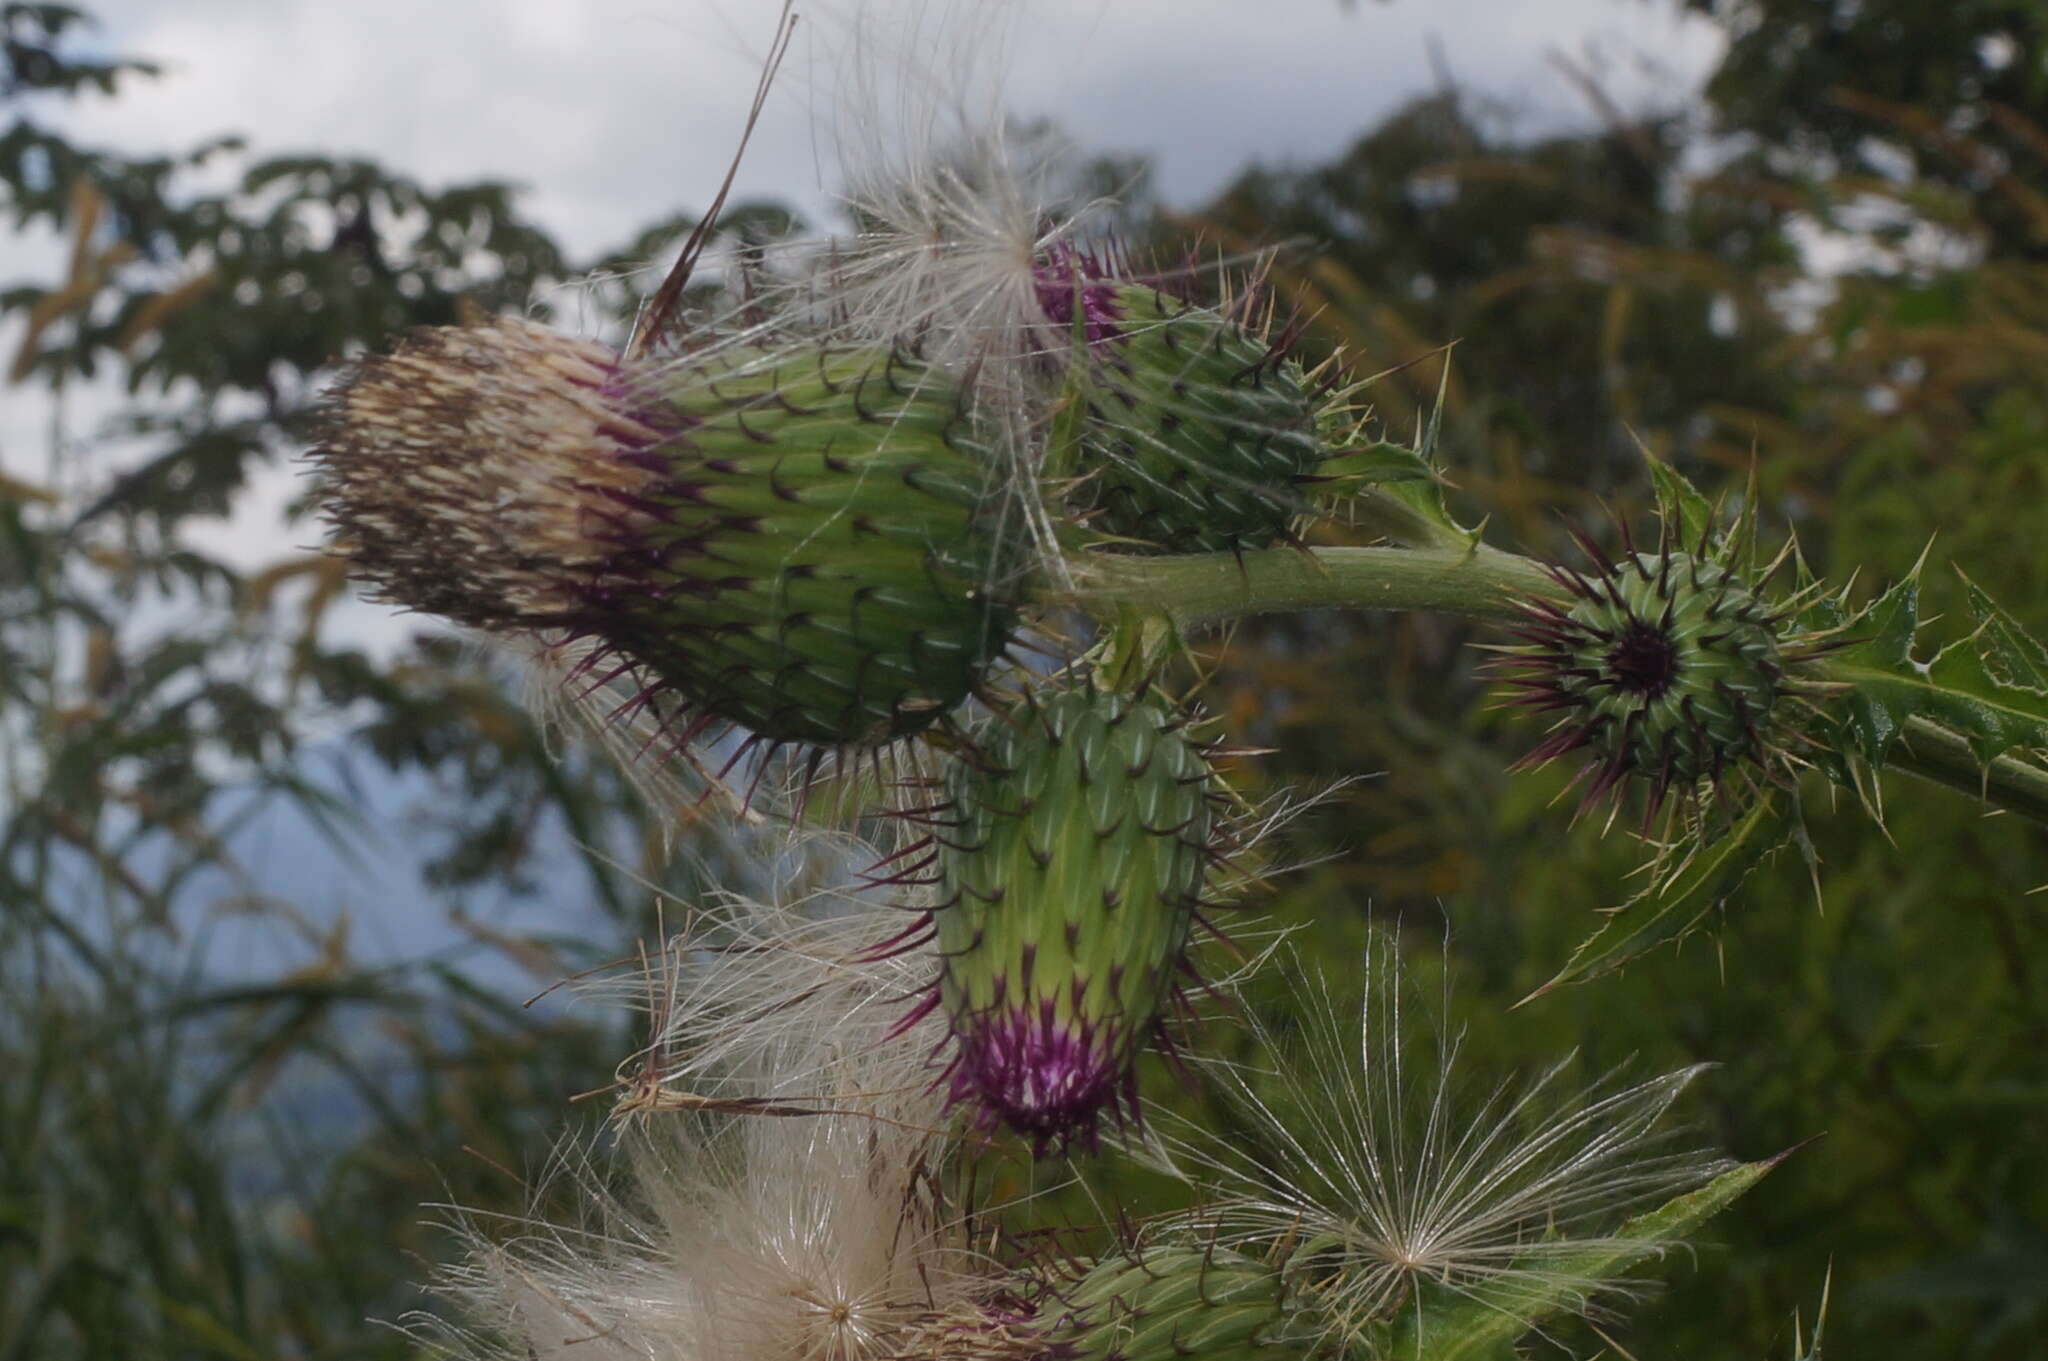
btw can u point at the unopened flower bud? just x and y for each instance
(1072, 865)
(1163, 1304)
(1664, 667)
(1200, 432)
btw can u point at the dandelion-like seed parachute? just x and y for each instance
(794, 1002)
(1384, 1178)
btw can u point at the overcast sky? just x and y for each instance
(617, 112)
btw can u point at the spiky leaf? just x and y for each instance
(1484, 1326)
(1686, 513)
(1990, 687)
(1680, 899)
(1395, 490)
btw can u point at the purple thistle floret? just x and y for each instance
(1047, 1077)
(1064, 276)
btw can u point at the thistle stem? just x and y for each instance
(1476, 583)
(1210, 588)
(1934, 753)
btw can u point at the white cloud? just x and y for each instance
(614, 114)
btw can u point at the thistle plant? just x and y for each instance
(967, 487)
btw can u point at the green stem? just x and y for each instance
(1476, 583)
(1209, 588)
(1934, 753)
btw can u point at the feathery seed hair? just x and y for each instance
(1368, 1158)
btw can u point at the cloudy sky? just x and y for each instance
(614, 112)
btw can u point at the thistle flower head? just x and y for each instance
(795, 540)
(1366, 1158)
(1665, 668)
(1072, 843)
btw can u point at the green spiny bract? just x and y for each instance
(797, 542)
(1165, 1303)
(1072, 863)
(1198, 433)
(1663, 666)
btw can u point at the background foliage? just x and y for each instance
(222, 1112)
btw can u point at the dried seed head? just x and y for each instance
(1664, 668)
(465, 471)
(1072, 862)
(793, 540)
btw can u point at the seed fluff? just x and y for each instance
(1365, 1155)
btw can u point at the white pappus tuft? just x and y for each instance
(1366, 1155)
(803, 1001)
(812, 1238)
(954, 210)
(787, 1172)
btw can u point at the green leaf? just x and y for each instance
(1397, 492)
(2012, 655)
(1393, 489)
(1990, 687)
(1484, 1324)
(1689, 515)
(1679, 899)
(1382, 464)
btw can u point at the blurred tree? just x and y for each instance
(209, 1147)
(1637, 286)
(1949, 96)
